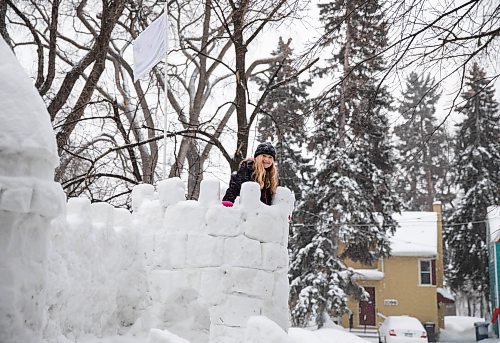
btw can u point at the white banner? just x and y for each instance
(150, 47)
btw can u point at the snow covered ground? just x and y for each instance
(459, 329)
(260, 329)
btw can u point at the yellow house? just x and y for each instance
(410, 281)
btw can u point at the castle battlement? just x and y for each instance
(195, 268)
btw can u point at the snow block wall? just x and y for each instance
(195, 268)
(212, 267)
(29, 199)
(97, 281)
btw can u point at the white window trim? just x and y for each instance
(420, 272)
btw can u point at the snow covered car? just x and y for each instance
(401, 329)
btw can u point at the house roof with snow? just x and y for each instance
(416, 234)
(367, 274)
(445, 295)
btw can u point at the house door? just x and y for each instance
(367, 308)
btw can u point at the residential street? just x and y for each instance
(489, 340)
(371, 336)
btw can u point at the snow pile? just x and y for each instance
(195, 268)
(259, 330)
(459, 329)
(327, 335)
(29, 199)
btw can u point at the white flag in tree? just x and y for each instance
(150, 47)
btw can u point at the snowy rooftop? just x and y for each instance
(445, 293)
(368, 274)
(416, 236)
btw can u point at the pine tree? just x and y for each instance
(350, 201)
(285, 111)
(477, 175)
(423, 147)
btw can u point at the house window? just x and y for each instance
(427, 270)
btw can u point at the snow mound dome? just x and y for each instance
(28, 151)
(27, 142)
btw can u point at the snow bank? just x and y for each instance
(195, 268)
(259, 330)
(459, 329)
(298, 335)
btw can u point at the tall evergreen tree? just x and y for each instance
(285, 111)
(423, 147)
(350, 202)
(477, 176)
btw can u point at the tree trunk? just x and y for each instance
(97, 56)
(3, 27)
(241, 83)
(469, 309)
(344, 88)
(343, 114)
(176, 169)
(195, 175)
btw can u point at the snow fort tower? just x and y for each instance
(213, 267)
(29, 199)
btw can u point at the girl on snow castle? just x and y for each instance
(261, 169)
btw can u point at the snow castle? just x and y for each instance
(195, 268)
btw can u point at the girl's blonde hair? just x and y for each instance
(265, 178)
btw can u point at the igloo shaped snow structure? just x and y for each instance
(29, 199)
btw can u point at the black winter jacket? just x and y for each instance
(245, 174)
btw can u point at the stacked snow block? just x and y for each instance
(29, 200)
(26, 209)
(27, 205)
(214, 267)
(96, 274)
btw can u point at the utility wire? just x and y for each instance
(404, 222)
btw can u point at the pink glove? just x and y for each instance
(227, 203)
